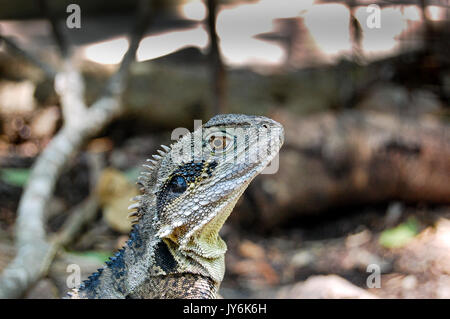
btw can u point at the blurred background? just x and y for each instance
(359, 207)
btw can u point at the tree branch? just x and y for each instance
(81, 123)
(56, 31)
(48, 70)
(218, 70)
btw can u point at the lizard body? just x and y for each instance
(189, 190)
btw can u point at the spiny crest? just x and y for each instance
(146, 178)
(135, 213)
(90, 282)
(149, 175)
(117, 255)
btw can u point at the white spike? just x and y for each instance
(141, 178)
(146, 173)
(148, 166)
(152, 161)
(162, 153)
(156, 157)
(132, 214)
(166, 148)
(136, 198)
(133, 206)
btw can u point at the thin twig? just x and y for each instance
(116, 84)
(48, 70)
(218, 70)
(60, 40)
(82, 215)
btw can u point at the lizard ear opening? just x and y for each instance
(165, 231)
(177, 233)
(172, 233)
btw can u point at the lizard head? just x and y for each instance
(195, 183)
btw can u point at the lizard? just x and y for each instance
(187, 193)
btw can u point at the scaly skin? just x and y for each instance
(188, 192)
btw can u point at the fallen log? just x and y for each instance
(172, 91)
(331, 160)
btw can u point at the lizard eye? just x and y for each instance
(178, 184)
(219, 142)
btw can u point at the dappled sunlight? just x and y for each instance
(239, 24)
(329, 26)
(107, 52)
(325, 30)
(151, 47)
(158, 45)
(436, 13)
(193, 10)
(385, 40)
(443, 234)
(236, 34)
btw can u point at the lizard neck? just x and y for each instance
(126, 269)
(144, 264)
